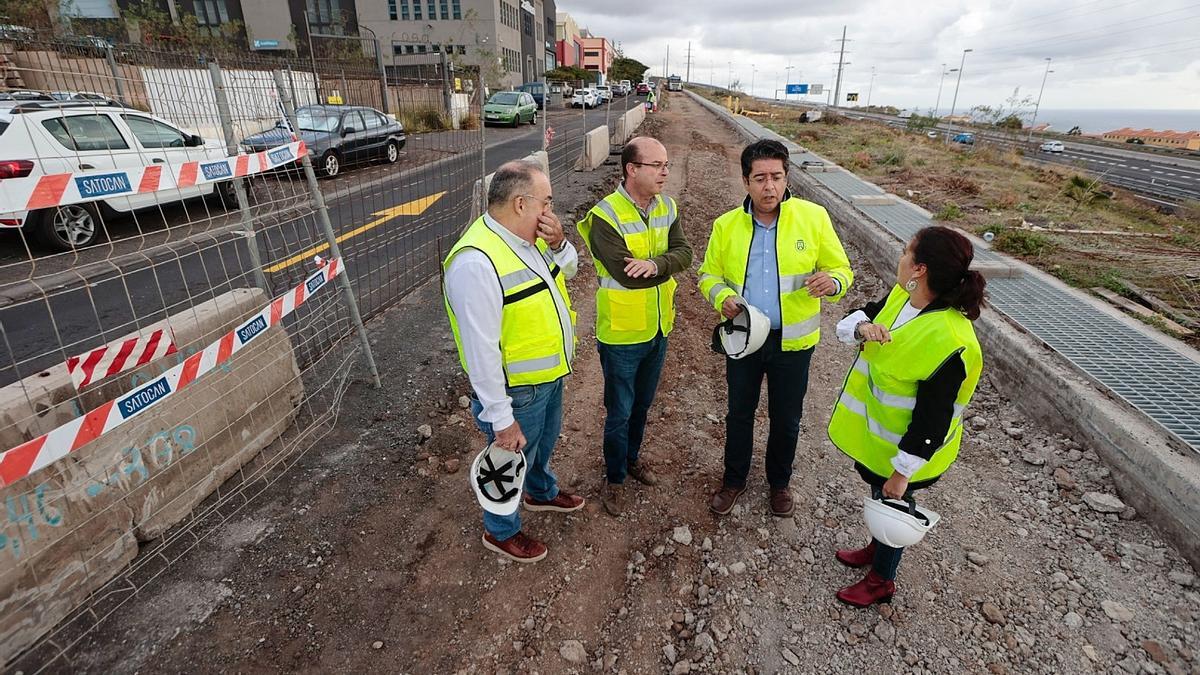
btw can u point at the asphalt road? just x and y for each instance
(385, 255)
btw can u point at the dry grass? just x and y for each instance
(1032, 209)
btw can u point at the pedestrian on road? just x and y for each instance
(638, 244)
(651, 100)
(900, 413)
(506, 296)
(780, 254)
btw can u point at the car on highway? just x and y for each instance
(336, 136)
(643, 88)
(605, 92)
(931, 133)
(79, 96)
(1052, 146)
(510, 107)
(964, 138)
(585, 98)
(39, 138)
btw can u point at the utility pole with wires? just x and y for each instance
(871, 87)
(688, 77)
(667, 67)
(837, 88)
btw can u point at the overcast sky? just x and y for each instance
(1105, 53)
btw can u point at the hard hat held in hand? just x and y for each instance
(742, 335)
(897, 523)
(498, 478)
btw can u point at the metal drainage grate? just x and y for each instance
(1153, 378)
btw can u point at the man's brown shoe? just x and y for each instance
(642, 473)
(563, 503)
(723, 500)
(518, 548)
(612, 496)
(781, 501)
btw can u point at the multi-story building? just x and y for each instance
(550, 53)
(598, 54)
(1184, 140)
(568, 45)
(471, 31)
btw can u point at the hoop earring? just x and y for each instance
(911, 285)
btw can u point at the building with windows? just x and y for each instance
(598, 54)
(568, 41)
(512, 32)
(1183, 140)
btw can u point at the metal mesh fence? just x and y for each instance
(164, 251)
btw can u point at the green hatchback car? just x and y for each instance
(510, 107)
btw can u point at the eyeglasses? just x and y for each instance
(547, 202)
(657, 166)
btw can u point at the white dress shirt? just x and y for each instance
(903, 462)
(477, 300)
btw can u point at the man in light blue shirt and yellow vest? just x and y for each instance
(637, 243)
(781, 255)
(506, 296)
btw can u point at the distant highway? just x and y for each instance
(1163, 179)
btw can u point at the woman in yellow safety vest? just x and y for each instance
(899, 416)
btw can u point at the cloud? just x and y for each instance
(1104, 53)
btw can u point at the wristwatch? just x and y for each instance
(858, 325)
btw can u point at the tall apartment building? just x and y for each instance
(514, 32)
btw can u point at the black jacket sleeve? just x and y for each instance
(871, 309)
(934, 408)
(608, 246)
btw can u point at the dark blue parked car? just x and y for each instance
(337, 135)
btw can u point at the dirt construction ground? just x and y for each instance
(366, 558)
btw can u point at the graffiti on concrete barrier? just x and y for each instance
(143, 377)
(28, 515)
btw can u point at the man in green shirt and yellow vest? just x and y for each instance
(638, 245)
(780, 254)
(506, 296)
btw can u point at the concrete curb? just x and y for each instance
(1159, 478)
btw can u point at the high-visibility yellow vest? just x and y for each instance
(532, 339)
(805, 242)
(626, 316)
(877, 400)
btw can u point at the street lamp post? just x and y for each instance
(729, 85)
(871, 87)
(938, 103)
(753, 74)
(954, 101)
(787, 80)
(1038, 105)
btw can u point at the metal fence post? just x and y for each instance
(116, 74)
(239, 184)
(330, 237)
(447, 97)
(383, 78)
(482, 145)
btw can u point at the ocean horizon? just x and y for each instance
(1099, 121)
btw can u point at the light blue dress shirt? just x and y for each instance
(762, 274)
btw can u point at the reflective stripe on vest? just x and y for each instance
(628, 315)
(529, 311)
(875, 407)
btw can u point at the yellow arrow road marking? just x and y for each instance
(414, 208)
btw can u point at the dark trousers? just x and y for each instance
(787, 382)
(887, 558)
(630, 380)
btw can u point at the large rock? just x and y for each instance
(1102, 502)
(572, 651)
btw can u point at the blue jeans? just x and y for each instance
(630, 381)
(538, 409)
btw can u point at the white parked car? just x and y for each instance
(606, 92)
(1052, 146)
(51, 137)
(585, 98)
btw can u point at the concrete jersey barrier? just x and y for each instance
(78, 521)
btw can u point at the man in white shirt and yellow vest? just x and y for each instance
(780, 254)
(638, 245)
(506, 296)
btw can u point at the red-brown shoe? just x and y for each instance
(781, 502)
(872, 589)
(725, 499)
(563, 503)
(860, 557)
(518, 548)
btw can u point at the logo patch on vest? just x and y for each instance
(800, 245)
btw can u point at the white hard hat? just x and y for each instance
(897, 523)
(498, 478)
(742, 335)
